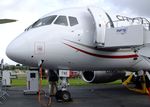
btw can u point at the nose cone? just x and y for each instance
(16, 50)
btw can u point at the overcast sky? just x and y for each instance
(28, 11)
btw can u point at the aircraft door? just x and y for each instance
(101, 20)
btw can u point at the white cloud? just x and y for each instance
(136, 7)
(6, 2)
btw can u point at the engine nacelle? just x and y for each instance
(102, 76)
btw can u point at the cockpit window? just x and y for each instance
(44, 21)
(73, 21)
(61, 20)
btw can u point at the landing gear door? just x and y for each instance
(100, 20)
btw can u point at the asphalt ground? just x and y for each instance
(101, 95)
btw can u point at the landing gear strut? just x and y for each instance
(63, 94)
(60, 92)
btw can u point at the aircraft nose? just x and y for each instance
(15, 50)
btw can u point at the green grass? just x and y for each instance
(115, 82)
(77, 82)
(72, 82)
(19, 82)
(22, 82)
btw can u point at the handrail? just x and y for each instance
(136, 20)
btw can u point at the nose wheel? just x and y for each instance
(61, 93)
(64, 96)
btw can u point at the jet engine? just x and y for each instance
(102, 76)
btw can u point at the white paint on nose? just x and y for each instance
(16, 50)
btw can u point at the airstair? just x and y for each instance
(125, 32)
(128, 32)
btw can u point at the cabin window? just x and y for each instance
(61, 20)
(73, 21)
(44, 21)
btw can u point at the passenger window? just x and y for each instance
(61, 20)
(44, 21)
(73, 21)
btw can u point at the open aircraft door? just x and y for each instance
(101, 22)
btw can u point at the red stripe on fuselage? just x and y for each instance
(104, 56)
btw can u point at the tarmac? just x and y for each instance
(101, 95)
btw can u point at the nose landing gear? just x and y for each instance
(61, 92)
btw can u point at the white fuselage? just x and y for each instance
(70, 47)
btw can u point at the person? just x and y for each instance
(53, 79)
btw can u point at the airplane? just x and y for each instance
(3, 21)
(84, 39)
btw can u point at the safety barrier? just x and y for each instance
(3, 92)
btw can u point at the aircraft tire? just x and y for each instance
(64, 96)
